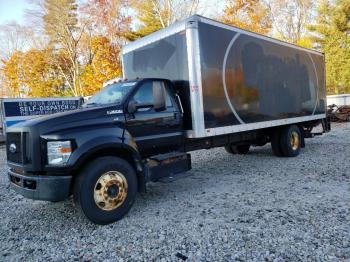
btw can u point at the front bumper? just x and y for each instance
(49, 188)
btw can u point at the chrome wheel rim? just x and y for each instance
(295, 140)
(110, 190)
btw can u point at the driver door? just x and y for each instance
(155, 132)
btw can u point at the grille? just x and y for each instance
(14, 138)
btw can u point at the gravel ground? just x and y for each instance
(255, 207)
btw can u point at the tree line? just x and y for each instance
(70, 49)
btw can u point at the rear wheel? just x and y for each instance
(290, 141)
(228, 149)
(275, 143)
(105, 189)
(242, 149)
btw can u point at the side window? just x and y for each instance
(168, 101)
(145, 93)
(159, 84)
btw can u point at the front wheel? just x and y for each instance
(105, 189)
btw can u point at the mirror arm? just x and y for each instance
(144, 105)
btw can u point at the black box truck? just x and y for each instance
(197, 84)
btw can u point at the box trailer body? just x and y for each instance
(197, 84)
(231, 80)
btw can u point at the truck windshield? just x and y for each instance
(112, 94)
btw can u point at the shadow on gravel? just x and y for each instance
(210, 175)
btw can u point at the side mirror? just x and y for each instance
(132, 107)
(159, 96)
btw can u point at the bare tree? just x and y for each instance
(290, 18)
(168, 11)
(13, 37)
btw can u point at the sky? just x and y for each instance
(13, 10)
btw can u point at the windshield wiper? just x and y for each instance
(91, 104)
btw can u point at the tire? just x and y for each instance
(228, 149)
(260, 143)
(238, 149)
(290, 141)
(242, 149)
(105, 189)
(275, 143)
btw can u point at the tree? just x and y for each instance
(106, 18)
(60, 20)
(252, 15)
(332, 35)
(78, 52)
(41, 78)
(13, 38)
(104, 35)
(290, 18)
(61, 25)
(157, 14)
(305, 41)
(104, 65)
(30, 73)
(12, 73)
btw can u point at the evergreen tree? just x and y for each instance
(148, 18)
(332, 30)
(61, 26)
(60, 19)
(153, 15)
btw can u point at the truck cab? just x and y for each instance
(126, 122)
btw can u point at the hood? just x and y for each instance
(79, 118)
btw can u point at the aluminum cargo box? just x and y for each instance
(231, 80)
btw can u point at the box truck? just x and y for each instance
(197, 84)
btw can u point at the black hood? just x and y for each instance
(79, 118)
(78, 125)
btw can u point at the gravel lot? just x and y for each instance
(255, 207)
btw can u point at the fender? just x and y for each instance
(87, 145)
(113, 140)
(90, 147)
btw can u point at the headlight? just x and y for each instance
(58, 152)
